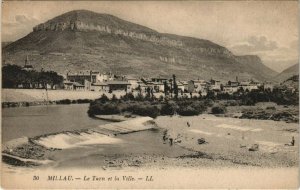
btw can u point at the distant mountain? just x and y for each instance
(87, 40)
(287, 73)
(254, 63)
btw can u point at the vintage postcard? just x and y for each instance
(150, 94)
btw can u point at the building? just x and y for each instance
(268, 85)
(157, 86)
(88, 78)
(181, 86)
(100, 87)
(80, 77)
(106, 77)
(231, 87)
(160, 80)
(68, 85)
(215, 85)
(249, 85)
(200, 86)
(133, 83)
(118, 85)
(27, 66)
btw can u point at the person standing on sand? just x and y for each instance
(293, 141)
(188, 124)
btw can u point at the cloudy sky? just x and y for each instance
(268, 29)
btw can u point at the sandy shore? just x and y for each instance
(231, 139)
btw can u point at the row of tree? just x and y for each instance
(14, 76)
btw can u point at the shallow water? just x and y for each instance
(40, 120)
(96, 148)
(130, 145)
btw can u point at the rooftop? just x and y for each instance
(117, 82)
(100, 84)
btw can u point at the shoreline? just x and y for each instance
(223, 145)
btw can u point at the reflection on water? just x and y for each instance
(39, 120)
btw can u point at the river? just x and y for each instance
(40, 120)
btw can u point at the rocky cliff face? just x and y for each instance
(154, 37)
(81, 26)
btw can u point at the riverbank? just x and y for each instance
(203, 141)
(259, 143)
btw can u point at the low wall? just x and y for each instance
(39, 95)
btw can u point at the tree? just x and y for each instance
(175, 87)
(166, 88)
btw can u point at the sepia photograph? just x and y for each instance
(150, 94)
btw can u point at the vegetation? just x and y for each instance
(280, 95)
(146, 106)
(218, 110)
(14, 76)
(151, 106)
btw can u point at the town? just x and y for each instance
(97, 81)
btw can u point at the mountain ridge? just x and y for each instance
(287, 73)
(89, 40)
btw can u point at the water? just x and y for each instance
(131, 146)
(95, 149)
(40, 120)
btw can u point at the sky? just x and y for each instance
(268, 29)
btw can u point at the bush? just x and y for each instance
(83, 101)
(143, 109)
(103, 98)
(218, 110)
(114, 98)
(232, 103)
(188, 111)
(199, 106)
(140, 97)
(64, 101)
(209, 102)
(128, 96)
(103, 109)
(161, 98)
(169, 108)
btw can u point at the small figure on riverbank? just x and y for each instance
(164, 138)
(188, 124)
(171, 141)
(292, 143)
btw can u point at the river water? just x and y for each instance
(41, 120)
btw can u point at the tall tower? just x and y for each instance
(27, 60)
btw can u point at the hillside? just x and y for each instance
(87, 40)
(287, 73)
